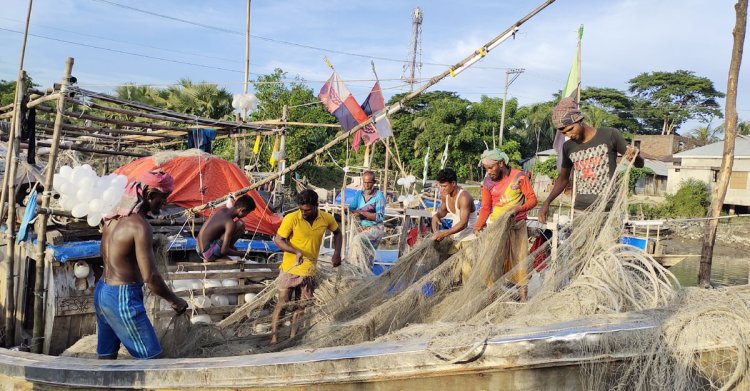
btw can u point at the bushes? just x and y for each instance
(691, 200)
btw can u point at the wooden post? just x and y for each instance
(41, 223)
(10, 234)
(385, 176)
(730, 132)
(343, 216)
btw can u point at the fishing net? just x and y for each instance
(456, 296)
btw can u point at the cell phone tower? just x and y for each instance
(413, 66)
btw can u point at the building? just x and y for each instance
(662, 147)
(541, 183)
(703, 163)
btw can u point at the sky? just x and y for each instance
(157, 43)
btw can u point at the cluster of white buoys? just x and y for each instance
(247, 102)
(200, 300)
(84, 193)
(406, 181)
(407, 199)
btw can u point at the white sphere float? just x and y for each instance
(81, 269)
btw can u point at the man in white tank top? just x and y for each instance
(455, 204)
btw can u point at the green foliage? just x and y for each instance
(692, 199)
(201, 99)
(274, 92)
(547, 167)
(608, 107)
(8, 89)
(666, 100)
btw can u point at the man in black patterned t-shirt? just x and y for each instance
(590, 152)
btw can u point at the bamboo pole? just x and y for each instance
(10, 234)
(189, 119)
(46, 98)
(41, 223)
(290, 123)
(10, 321)
(730, 133)
(390, 110)
(91, 129)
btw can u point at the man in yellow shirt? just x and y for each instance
(300, 236)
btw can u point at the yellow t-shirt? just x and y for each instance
(306, 238)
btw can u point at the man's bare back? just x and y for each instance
(219, 233)
(118, 249)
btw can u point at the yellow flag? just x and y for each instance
(256, 147)
(272, 161)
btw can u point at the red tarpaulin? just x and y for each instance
(191, 170)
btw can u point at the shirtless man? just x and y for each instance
(221, 231)
(129, 263)
(464, 214)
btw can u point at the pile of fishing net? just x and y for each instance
(429, 296)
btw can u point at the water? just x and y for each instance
(725, 271)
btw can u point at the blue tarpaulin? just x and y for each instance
(91, 248)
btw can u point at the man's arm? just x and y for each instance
(465, 203)
(528, 195)
(627, 151)
(226, 241)
(560, 184)
(144, 254)
(441, 212)
(484, 212)
(284, 245)
(338, 239)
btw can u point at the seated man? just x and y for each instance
(369, 210)
(300, 236)
(221, 231)
(456, 204)
(129, 263)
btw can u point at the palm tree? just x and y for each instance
(743, 128)
(705, 134)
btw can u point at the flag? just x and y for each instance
(374, 105)
(340, 102)
(571, 89)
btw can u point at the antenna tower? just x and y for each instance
(413, 67)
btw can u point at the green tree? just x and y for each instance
(8, 90)
(615, 103)
(666, 100)
(743, 128)
(705, 134)
(273, 92)
(536, 119)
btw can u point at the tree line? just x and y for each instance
(654, 103)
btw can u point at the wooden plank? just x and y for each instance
(221, 275)
(220, 310)
(252, 288)
(189, 266)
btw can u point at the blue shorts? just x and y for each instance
(121, 318)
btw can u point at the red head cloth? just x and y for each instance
(158, 180)
(133, 197)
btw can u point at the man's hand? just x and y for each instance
(440, 235)
(543, 213)
(336, 259)
(179, 305)
(298, 258)
(477, 231)
(630, 153)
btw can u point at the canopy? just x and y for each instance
(194, 170)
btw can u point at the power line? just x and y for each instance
(126, 52)
(273, 40)
(127, 42)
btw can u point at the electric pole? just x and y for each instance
(515, 72)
